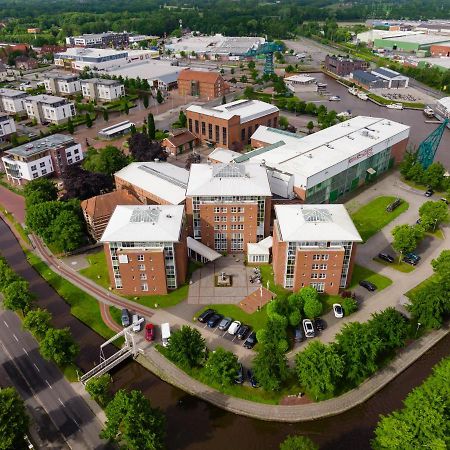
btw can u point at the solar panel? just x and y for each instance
(228, 171)
(146, 215)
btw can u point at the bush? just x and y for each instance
(349, 305)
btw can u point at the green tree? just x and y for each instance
(13, 420)
(249, 92)
(243, 79)
(298, 443)
(186, 347)
(133, 423)
(37, 321)
(406, 238)
(159, 97)
(67, 231)
(70, 126)
(311, 108)
(408, 161)
(126, 107)
(434, 175)
(283, 122)
(7, 275)
(105, 115)
(151, 126)
(319, 369)
(98, 388)
(310, 126)
(391, 327)
(59, 346)
(270, 367)
(274, 331)
(182, 119)
(432, 214)
(17, 296)
(39, 191)
(349, 305)
(251, 65)
(88, 120)
(416, 173)
(313, 306)
(145, 101)
(222, 367)
(108, 160)
(441, 266)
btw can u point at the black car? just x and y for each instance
(252, 378)
(410, 261)
(429, 192)
(240, 375)
(214, 320)
(443, 199)
(386, 257)
(368, 285)
(319, 324)
(242, 331)
(298, 334)
(205, 315)
(251, 340)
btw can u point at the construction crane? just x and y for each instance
(428, 147)
(267, 49)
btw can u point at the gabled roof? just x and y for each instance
(315, 223)
(144, 223)
(180, 137)
(198, 75)
(104, 205)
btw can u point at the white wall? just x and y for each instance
(7, 127)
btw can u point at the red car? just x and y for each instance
(149, 332)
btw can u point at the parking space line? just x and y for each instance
(7, 326)
(25, 350)
(48, 384)
(37, 368)
(15, 337)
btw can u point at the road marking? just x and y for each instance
(60, 401)
(7, 326)
(15, 337)
(37, 368)
(48, 384)
(78, 425)
(25, 350)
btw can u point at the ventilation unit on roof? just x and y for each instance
(309, 155)
(329, 146)
(364, 132)
(351, 137)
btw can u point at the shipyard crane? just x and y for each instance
(267, 49)
(428, 147)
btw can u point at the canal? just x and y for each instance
(196, 425)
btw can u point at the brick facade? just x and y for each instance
(147, 198)
(202, 84)
(344, 66)
(440, 50)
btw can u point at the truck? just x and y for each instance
(165, 334)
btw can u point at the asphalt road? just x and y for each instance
(42, 385)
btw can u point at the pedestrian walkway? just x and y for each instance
(13, 203)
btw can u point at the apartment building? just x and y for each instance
(102, 90)
(145, 249)
(62, 84)
(197, 83)
(7, 126)
(49, 108)
(98, 210)
(40, 158)
(228, 205)
(12, 101)
(108, 39)
(230, 125)
(343, 65)
(313, 245)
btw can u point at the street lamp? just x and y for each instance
(418, 326)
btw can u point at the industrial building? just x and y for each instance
(344, 65)
(410, 43)
(230, 125)
(367, 80)
(313, 245)
(393, 78)
(107, 39)
(324, 166)
(440, 50)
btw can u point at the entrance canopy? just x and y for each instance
(202, 250)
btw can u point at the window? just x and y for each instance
(143, 276)
(216, 218)
(144, 287)
(42, 164)
(69, 161)
(190, 125)
(76, 151)
(319, 287)
(210, 130)
(224, 210)
(314, 276)
(203, 128)
(216, 209)
(216, 227)
(224, 227)
(196, 126)
(77, 158)
(44, 171)
(322, 276)
(323, 266)
(140, 257)
(35, 175)
(33, 167)
(224, 136)
(250, 130)
(269, 123)
(141, 266)
(325, 257)
(316, 257)
(315, 267)
(224, 218)
(217, 129)
(234, 209)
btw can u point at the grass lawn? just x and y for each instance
(400, 266)
(371, 218)
(422, 285)
(362, 273)
(116, 314)
(97, 270)
(16, 225)
(267, 276)
(436, 233)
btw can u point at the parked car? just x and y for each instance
(298, 334)
(240, 375)
(413, 256)
(252, 378)
(412, 262)
(242, 331)
(149, 332)
(319, 324)
(251, 340)
(368, 285)
(232, 329)
(214, 320)
(125, 317)
(335, 98)
(205, 315)
(429, 192)
(338, 311)
(443, 199)
(395, 204)
(309, 328)
(225, 323)
(386, 257)
(136, 323)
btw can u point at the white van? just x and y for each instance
(165, 334)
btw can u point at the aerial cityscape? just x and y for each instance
(224, 224)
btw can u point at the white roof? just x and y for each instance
(223, 155)
(300, 78)
(246, 109)
(228, 180)
(144, 223)
(202, 249)
(445, 102)
(422, 39)
(261, 247)
(73, 52)
(162, 179)
(315, 223)
(328, 150)
(150, 69)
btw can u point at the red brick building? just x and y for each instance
(230, 125)
(202, 84)
(179, 141)
(440, 50)
(145, 249)
(343, 65)
(228, 205)
(313, 245)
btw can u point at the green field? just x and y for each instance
(97, 270)
(371, 218)
(422, 285)
(362, 273)
(400, 266)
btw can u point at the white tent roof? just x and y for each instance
(202, 249)
(261, 247)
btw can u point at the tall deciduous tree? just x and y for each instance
(98, 388)
(39, 191)
(108, 160)
(82, 184)
(59, 346)
(67, 231)
(7, 275)
(187, 347)
(222, 367)
(13, 420)
(406, 238)
(151, 129)
(391, 327)
(133, 423)
(270, 367)
(88, 120)
(143, 149)
(441, 266)
(17, 296)
(432, 214)
(70, 126)
(319, 368)
(37, 321)
(182, 119)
